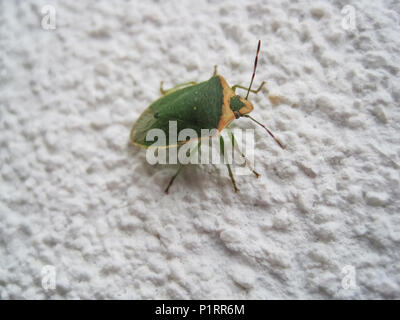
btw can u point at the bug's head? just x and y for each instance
(240, 106)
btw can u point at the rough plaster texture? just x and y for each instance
(76, 196)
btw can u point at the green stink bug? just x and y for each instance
(211, 104)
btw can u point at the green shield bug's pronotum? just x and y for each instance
(211, 104)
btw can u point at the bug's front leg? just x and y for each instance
(251, 90)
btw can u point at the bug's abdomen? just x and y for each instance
(196, 107)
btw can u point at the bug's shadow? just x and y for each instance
(138, 160)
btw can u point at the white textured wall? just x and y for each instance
(74, 195)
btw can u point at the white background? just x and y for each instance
(76, 196)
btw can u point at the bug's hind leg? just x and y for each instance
(175, 88)
(232, 178)
(173, 178)
(222, 150)
(194, 150)
(246, 162)
(251, 90)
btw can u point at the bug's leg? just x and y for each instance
(162, 91)
(221, 141)
(251, 90)
(174, 88)
(235, 145)
(195, 150)
(173, 178)
(215, 70)
(232, 178)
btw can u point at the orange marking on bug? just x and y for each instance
(248, 107)
(227, 114)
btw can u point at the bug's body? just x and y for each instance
(207, 105)
(211, 104)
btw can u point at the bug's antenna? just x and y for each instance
(270, 133)
(255, 67)
(248, 91)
